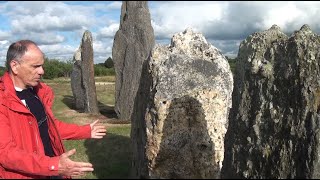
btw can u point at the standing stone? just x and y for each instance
(183, 113)
(76, 81)
(132, 46)
(82, 77)
(273, 128)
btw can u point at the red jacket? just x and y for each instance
(21, 150)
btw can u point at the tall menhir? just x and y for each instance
(131, 48)
(82, 77)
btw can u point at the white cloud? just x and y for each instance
(100, 47)
(58, 51)
(4, 35)
(227, 22)
(227, 47)
(58, 26)
(291, 16)
(57, 16)
(4, 42)
(169, 18)
(114, 5)
(43, 38)
(4, 45)
(278, 15)
(102, 50)
(108, 32)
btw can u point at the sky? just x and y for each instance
(58, 26)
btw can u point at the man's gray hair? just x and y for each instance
(17, 50)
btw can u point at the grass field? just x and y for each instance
(110, 156)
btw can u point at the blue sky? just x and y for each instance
(58, 26)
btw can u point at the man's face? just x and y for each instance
(30, 68)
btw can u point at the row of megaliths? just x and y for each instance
(185, 124)
(177, 98)
(82, 77)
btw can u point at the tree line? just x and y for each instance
(55, 68)
(232, 63)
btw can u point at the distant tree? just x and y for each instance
(101, 70)
(232, 63)
(55, 68)
(109, 63)
(2, 70)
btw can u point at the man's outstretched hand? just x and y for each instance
(67, 167)
(97, 130)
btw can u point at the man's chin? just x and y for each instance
(35, 83)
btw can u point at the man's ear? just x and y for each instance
(14, 66)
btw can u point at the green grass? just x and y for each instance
(67, 80)
(110, 156)
(105, 79)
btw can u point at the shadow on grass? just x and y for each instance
(107, 111)
(110, 156)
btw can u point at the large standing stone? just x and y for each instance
(132, 46)
(82, 77)
(76, 81)
(274, 122)
(182, 115)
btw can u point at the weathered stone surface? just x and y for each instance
(132, 46)
(274, 122)
(82, 77)
(76, 81)
(185, 109)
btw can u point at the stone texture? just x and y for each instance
(182, 111)
(76, 81)
(132, 46)
(82, 77)
(274, 122)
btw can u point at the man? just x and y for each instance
(30, 136)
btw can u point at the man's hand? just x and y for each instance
(67, 167)
(97, 131)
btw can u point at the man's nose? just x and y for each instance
(41, 70)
